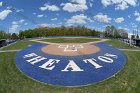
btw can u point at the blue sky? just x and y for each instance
(18, 15)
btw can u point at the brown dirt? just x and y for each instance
(81, 49)
(70, 49)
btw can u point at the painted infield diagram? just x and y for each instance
(70, 70)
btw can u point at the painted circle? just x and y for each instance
(90, 74)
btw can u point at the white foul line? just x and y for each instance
(9, 51)
(130, 50)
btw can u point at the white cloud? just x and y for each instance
(62, 4)
(91, 3)
(13, 28)
(16, 25)
(57, 14)
(18, 22)
(44, 25)
(119, 4)
(54, 19)
(19, 10)
(77, 19)
(40, 16)
(138, 19)
(106, 2)
(4, 14)
(21, 21)
(49, 7)
(1, 3)
(90, 20)
(102, 18)
(75, 5)
(119, 20)
(137, 14)
(34, 13)
(60, 23)
(129, 16)
(124, 28)
(25, 23)
(79, 1)
(134, 25)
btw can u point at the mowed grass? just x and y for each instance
(18, 45)
(70, 40)
(120, 44)
(126, 81)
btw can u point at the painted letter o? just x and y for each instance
(105, 59)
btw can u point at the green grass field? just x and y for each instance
(13, 81)
(70, 40)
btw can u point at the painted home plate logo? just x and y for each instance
(70, 64)
(70, 48)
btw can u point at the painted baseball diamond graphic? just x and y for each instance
(64, 70)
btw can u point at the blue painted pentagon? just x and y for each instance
(56, 76)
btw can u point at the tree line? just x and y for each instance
(110, 31)
(113, 32)
(58, 31)
(4, 35)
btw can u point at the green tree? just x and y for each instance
(14, 36)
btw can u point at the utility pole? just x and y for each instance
(137, 33)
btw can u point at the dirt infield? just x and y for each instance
(70, 49)
(39, 40)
